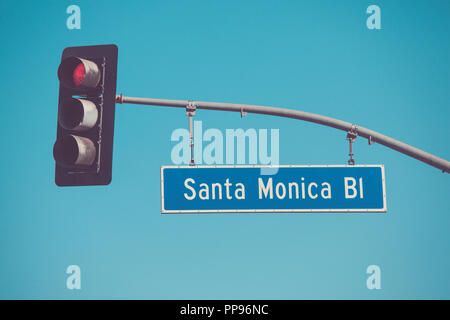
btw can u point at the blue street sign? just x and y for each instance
(242, 188)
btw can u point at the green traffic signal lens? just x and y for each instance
(72, 150)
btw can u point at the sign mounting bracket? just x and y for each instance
(190, 112)
(351, 137)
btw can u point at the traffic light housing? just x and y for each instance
(84, 146)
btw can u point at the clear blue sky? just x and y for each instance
(315, 56)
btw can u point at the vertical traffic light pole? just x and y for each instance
(352, 129)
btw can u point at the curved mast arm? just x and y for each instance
(372, 136)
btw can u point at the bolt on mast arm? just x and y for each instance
(372, 136)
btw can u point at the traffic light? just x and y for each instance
(87, 91)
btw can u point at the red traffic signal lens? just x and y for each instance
(79, 74)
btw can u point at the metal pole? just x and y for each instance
(372, 136)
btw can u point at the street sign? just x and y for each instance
(242, 188)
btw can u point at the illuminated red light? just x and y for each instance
(78, 74)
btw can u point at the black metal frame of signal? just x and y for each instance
(99, 173)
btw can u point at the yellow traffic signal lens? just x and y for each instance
(78, 114)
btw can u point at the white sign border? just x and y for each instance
(383, 210)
